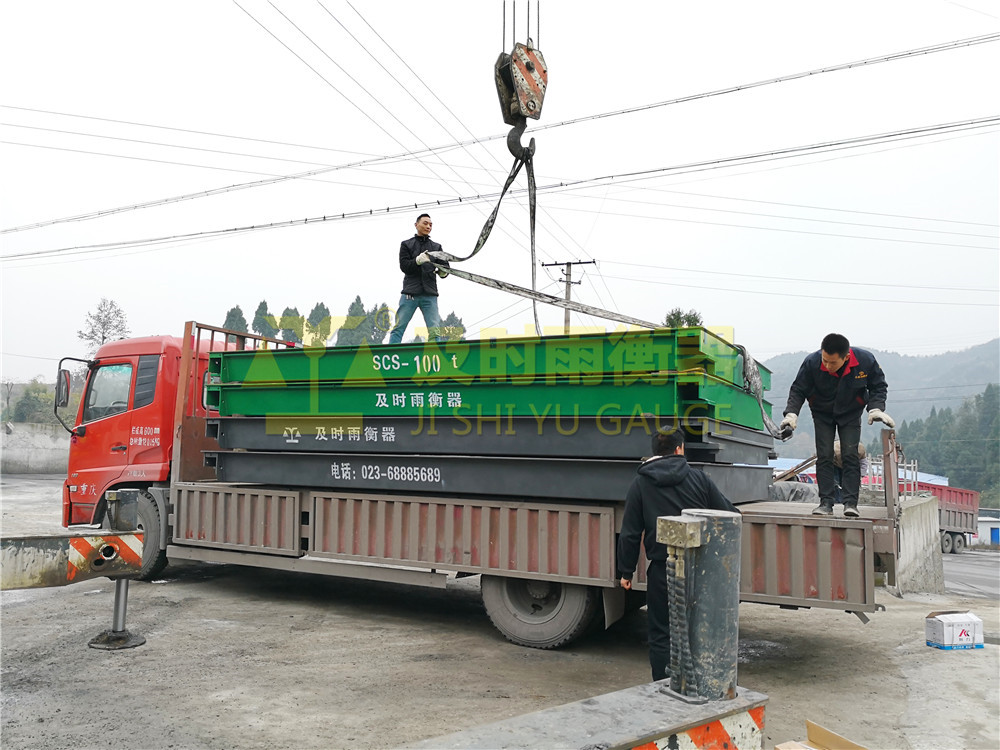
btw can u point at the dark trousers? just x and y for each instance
(658, 618)
(828, 428)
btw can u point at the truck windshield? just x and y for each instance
(108, 392)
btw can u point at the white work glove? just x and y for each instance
(877, 415)
(790, 422)
(442, 273)
(422, 258)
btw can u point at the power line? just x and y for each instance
(419, 103)
(361, 166)
(184, 130)
(575, 185)
(806, 296)
(796, 218)
(819, 208)
(819, 71)
(943, 47)
(773, 229)
(161, 144)
(768, 277)
(940, 387)
(165, 201)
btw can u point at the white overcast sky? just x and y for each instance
(114, 104)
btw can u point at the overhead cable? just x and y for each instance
(557, 187)
(718, 92)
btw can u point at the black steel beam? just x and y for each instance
(512, 477)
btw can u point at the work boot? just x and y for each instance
(823, 509)
(851, 510)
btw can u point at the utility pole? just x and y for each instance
(568, 273)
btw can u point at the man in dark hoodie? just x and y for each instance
(664, 486)
(419, 282)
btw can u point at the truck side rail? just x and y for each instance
(190, 411)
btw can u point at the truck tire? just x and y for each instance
(957, 543)
(539, 614)
(154, 559)
(945, 542)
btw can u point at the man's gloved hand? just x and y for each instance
(442, 273)
(422, 258)
(877, 415)
(789, 423)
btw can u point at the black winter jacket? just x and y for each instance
(663, 486)
(418, 279)
(859, 383)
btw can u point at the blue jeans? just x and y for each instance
(849, 430)
(408, 305)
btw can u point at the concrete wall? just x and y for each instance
(920, 569)
(33, 448)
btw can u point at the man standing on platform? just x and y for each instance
(838, 382)
(419, 282)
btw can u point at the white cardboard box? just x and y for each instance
(953, 630)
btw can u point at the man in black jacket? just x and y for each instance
(664, 486)
(419, 282)
(838, 382)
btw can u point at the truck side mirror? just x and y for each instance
(62, 389)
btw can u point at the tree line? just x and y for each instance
(33, 402)
(961, 444)
(359, 325)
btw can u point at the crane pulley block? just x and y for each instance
(521, 78)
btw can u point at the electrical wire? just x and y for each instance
(943, 47)
(575, 185)
(772, 229)
(806, 296)
(797, 279)
(791, 218)
(820, 208)
(271, 180)
(201, 194)
(430, 113)
(184, 130)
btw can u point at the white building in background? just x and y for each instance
(989, 527)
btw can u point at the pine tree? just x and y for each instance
(291, 325)
(235, 320)
(262, 321)
(453, 329)
(318, 325)
(352, 332)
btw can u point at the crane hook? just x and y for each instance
(521, 79)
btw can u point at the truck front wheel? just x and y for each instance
(154, 559)
(957, 543)
(539, 614)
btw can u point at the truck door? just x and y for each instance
(103, 447)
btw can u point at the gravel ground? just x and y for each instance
(238, 657)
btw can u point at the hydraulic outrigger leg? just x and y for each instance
(44, 561)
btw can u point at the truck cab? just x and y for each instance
(142, 399)
(122, 434)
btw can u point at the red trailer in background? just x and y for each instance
(958, 514)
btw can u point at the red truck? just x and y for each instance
(547, 559)
(958, 514)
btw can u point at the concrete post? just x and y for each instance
(703, 573)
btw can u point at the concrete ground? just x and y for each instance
(245, 658)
